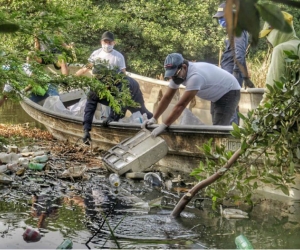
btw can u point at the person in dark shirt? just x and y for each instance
(93, 100)
(228, 62)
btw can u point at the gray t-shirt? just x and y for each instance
(211, 81)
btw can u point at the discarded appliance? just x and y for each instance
(135, 154)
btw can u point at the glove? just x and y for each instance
(148, 122)
(86, 137)
(161, 128)
(106, 122)
(248, 83)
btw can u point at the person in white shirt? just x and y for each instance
(107, 54)
(201, 79)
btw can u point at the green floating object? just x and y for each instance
(66, 244)
(242, 242)
(9, 27)
(36, 166)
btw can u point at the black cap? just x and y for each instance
(172, 63)
(107, 36)
(220, 12)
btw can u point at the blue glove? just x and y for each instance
(161, 128)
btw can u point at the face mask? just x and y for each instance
(107, 48)
(222, 22)
(178, 80)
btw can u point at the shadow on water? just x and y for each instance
(12, 113)
(76, 210)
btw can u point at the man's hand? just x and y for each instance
(106, 122)
(86, 137)
(146, 123)
(248, 83)
(158, 130)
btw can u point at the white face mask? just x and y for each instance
(107, 48)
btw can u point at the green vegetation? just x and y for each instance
(274, 151)
(146, 31)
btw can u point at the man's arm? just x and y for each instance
(164, 103)
(180, 106)
(83, 70)
(241, 44)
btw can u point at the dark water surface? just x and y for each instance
(64, 209)
(12, 113)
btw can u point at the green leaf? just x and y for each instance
(298, 152)
(248, 19)
(285, 190)
(273, 16)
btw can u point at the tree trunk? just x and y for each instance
(190, 195)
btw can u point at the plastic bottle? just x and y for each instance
(9, 158)
(36, 166)
(242, 242)
(23, 161)
(66, 244)
(41, 158)
(114, 180)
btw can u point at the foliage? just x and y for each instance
(274, 154)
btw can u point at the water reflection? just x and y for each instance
(12, 113)
(76, 210)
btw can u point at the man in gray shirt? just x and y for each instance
(204, 80)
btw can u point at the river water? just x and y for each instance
(75, 210)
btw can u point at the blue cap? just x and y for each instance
(172, 63)
(220, 12)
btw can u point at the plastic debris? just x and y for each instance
(31, 235)
(242, 242)
(232, 213)
(114, 180)
(66, 244)
(153, 179)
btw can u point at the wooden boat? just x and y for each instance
(183, 140)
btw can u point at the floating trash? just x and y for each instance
(153, 179)
(4, 179)
(232, 213)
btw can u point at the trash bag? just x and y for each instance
(188, 118)
(55, 104)
(78, 108)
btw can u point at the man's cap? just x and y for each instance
(107, 36)
(220, 12)
(172, 63)
(267, 28)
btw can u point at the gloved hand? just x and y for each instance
(148, 122)
(248, 83)
(161, 128)
(106, 122)
(86, 137)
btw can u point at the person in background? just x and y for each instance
(38, 94)
(280, 42)
(46, 52)
(93, 100)
(231, 64)
(107, 55)
(201, 79)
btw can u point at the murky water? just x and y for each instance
(76, 210)
(12, 113)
